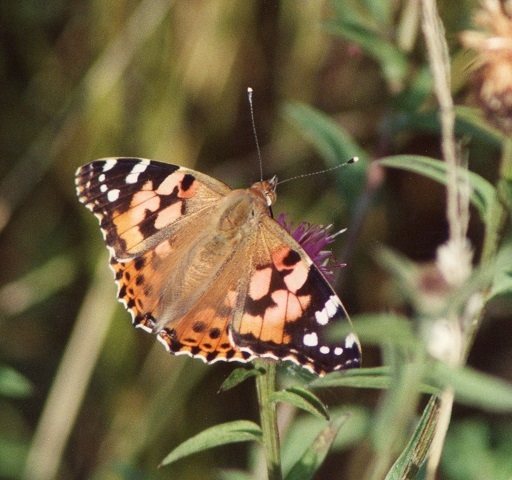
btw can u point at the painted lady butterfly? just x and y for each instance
(207, 269)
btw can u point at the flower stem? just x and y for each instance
(265, 386)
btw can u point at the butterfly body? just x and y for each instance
(207, 269)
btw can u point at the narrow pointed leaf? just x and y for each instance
(315, 455)
(13, 384)
(471, 121)
(380, 329)
(226, 433)
(303, 399)
(482, 195)
(391, 59)
(378, 377)
(234, 475)
(415, 453)
(238, 376)
(335, 146)
(474, 388)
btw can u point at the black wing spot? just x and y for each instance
(210, 357)
(199, 327)
(187, 182)
(292, 258)
(139, 263)
(214, 333)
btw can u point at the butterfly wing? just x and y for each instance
(154, 218)
(216, 293)
(288, 307)
(140, 202)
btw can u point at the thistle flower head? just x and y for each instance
(313, 239)
(493, 73)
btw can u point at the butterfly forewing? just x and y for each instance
(289, 305)
(137, 200)
(206, 269)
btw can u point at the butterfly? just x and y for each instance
(208, 270)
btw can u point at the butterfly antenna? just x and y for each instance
(348, 162)
(249, 96)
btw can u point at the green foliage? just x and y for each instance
(314, 456)
(13, 384)
(303, 399)
(227, 433)
(239, 375)
(482, 193)
(486, 450)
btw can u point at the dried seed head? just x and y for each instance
(493, 73)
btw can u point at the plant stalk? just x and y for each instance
(265, 386)
(498, 214)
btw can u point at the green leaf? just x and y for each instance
(468, 122)
(349, 14)
(478, 447)
(473, 388)
(305, 428)
(482, 195)
(226, 433)
(385, 329)
(238, 376)
(13, 384)
(391, 59)
(378, 377)
(414, 454)
(303, 399)
(471, 122)
(13, 455)
(234, 475)
(315, 455)
(335, 146)
(502, 281)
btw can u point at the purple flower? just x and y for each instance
(313, 238)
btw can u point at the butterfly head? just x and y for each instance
(267, 189)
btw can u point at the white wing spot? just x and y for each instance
(321, 317)
(101, 178)
(310, 339)
(103, 188)
(338, 351)
(351, 340)
(109, 164)
(113, 195)
(140, 167)
(132, 178)
(325, 350)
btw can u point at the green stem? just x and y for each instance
(498, 214)
(265, 386)
(495, 224)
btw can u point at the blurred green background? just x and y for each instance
(164, 79)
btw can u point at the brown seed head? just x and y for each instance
(493, 73)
